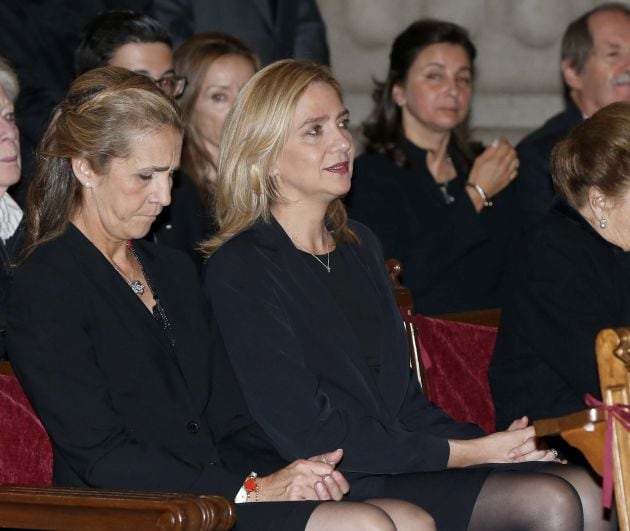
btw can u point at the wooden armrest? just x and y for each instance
(584, 430)
(6, 369)
(104, 510)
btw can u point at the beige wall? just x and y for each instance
(518, 83)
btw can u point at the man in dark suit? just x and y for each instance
(274, 29)
(596, 71)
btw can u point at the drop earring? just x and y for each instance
(602, 223)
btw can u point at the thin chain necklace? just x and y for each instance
(136, 286)
(326, 265)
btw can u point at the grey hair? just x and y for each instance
(8, 80)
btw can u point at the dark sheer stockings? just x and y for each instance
(553, 499)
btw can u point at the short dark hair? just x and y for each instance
(110, 30)
(383, 130)
(577, 41)
(596, 153)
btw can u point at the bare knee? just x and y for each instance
(349, 516)
(405, 515)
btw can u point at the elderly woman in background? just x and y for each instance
(110, 334)
(11, 224)
(315, 339)
(571, 277)
(436, 202)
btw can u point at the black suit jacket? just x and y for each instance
(300, 367)
(566, 284)
(534, 187)
(296, 29)
(123, 408)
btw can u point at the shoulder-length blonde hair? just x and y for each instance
(192, 60)
(253, 137)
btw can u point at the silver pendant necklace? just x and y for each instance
(443, 186)
(325, 265)
(136, 286)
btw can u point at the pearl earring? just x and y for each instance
(602, 223)
(88, 184)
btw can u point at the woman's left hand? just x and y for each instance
(515, 445)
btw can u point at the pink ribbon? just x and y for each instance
(621, 412)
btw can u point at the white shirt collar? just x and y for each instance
(10, 216)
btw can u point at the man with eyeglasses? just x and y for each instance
(596, 71)
(130, 40)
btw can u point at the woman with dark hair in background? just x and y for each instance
(436, 202)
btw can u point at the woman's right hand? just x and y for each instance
(306, 479)
(494, 169)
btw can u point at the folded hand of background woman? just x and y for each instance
(493, 170)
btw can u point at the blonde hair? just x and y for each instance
(192, 60)
(97, 121)
(8, 80)
(253, 137)
(596, 153)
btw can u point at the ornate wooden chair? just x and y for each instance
(450, 355)
(26, 459)
(588, 430)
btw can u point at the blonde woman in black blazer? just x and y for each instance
(316, 341)
(110, 335)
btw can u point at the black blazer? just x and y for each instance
(300, 368)
(124, 409)
(566, 284)
(296, 29)
(534, 188)
(453, 258)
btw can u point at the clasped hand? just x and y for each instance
(495, 168)
(306, 479)
(518, 444)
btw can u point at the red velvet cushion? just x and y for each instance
(25, 451)
(459, 356)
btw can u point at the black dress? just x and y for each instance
(311, 384)
(565, 285)
(453, 257)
